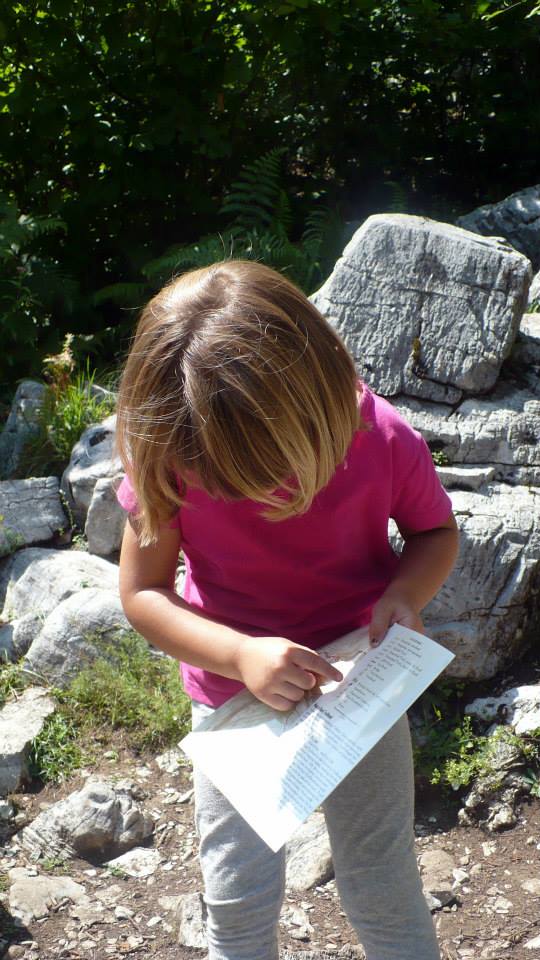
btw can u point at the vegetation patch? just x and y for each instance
(70, 405)
(449, 751)
(128, 688)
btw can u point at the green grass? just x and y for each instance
(132, 689)
(452, 753)
(12, 681)
(128, 689)
(67, 410)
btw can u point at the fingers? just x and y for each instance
(277, 702)
(380, 623)
(314, 664)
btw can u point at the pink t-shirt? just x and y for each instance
(313, 577)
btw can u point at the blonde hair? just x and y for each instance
(237, 384)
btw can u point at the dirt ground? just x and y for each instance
(492, 917)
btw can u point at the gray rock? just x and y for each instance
(97, 822)
(8, 650)
(20, 426)
(309, 858)
(492, 799)
(296, 921)
(75, 634)
(35, 580)
(31, 512)
(516, 218)
(31, 897)
(500, 431)
(534, 292)
(20, 722)
(141, 862)
(92, 458)
(519, 707)
(106, 519)
(465, 477)
(17, 636)
(191, 920)
(523, 366)
(532, 886)
(426, 309)
(437, 873)
(486, 612)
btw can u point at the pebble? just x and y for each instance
(532, 886)
(123, 913)
(489, 848)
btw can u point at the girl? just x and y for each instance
(249, 444)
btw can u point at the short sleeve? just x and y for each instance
(419, 501)
(125, 495)
(127, 499)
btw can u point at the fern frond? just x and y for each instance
(123, 294)
(399, 200)
(40, 226)
(253, 198)
(209, 250)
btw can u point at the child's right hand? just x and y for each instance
(279, 672)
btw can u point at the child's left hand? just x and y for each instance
(390, 609)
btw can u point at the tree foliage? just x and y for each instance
(127, 120)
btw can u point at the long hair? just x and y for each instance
(234, 383)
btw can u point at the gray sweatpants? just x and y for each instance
(370, 824)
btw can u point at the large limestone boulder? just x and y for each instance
(21, 720)
(498, 433)
(97, 822)
(105, 520)
(425, 308)
(35, 581)
(92, 458)
(30, 512)
(487, 611)
(534, 292)
(75, 634)
(21, 425)
(517, 218)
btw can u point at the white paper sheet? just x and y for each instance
(276, 768)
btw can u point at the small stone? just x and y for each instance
(489, 848)
(464, 861)
(533, 944)
(501, 905)
(7, 810)
(530, 841)
(460, 876)
(476, 870)
(191, 917)
(532, 886)
(123, 913)
(153, 921)
(140, 862)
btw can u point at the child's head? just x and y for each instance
(234, 383)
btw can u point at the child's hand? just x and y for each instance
(279, 672)
(390, 609)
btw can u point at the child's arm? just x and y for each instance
(276, 670)
(426, 560)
